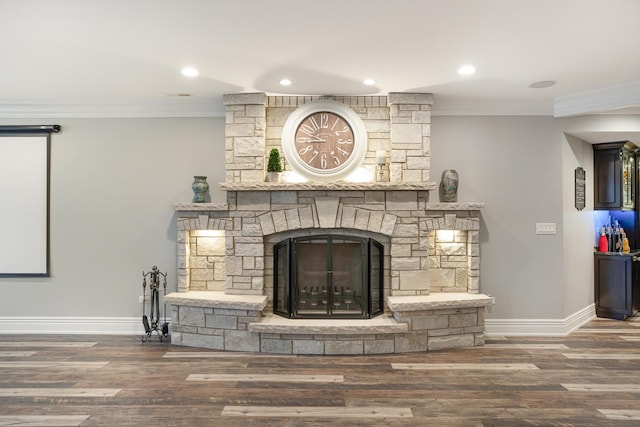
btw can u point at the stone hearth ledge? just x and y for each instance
(216, 299)
(440, 300)
(383, 324)
(279, 325)
(454, 206)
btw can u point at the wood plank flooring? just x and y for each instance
(590, 378)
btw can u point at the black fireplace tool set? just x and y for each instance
(152, 322)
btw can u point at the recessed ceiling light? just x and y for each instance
(369, 82)
(542, 84)
(285, 82)
(466, 70)
(189, 72)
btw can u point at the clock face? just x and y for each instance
(324, 141)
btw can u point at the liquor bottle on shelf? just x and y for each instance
(610, 239)
(625, 244)
(620, 236)
(603, 242)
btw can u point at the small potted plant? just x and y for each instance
(274, 166)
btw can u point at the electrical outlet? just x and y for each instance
(140, 299)
(545, 228)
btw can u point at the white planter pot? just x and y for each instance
(273, 176)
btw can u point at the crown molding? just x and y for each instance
(442, 107)
(110, 110)
(598, 101)
(490, 107)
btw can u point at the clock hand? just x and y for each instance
(311, 139)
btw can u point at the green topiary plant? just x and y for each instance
(275, 163)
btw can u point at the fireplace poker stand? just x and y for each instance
(152, 322)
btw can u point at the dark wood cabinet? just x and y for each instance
(614, 183)
(617, 295)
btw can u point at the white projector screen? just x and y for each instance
(24, 205)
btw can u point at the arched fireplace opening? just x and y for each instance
(328, 276)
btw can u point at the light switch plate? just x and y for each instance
(545, 228)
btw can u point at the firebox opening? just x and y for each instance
(328, 276)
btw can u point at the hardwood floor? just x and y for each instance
(590, 378)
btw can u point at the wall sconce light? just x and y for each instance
(381, 160)
(445, 236)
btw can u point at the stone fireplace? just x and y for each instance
(429, 263)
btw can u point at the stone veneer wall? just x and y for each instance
(238, 330)
(431, 250)
(202, 255)
(454, 257)
(420, 261)
(207, 261)
(219, 322)
(399, 123)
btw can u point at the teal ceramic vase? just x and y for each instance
(449, 185)
(200, 188)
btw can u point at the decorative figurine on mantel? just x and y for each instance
(381, 161)
(200, 187)
(274, 166)
(449, 185)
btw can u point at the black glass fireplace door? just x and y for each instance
(328, 276)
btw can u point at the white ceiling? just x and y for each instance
(123, 58)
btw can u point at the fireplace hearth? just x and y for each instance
(328, 276)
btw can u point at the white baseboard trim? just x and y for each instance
(72, 325)
(133, 325)
(540, 327)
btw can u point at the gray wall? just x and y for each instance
(513, 164)
(523, 169)
(578, 227)
(113, 183)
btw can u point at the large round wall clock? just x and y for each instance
(324, 140)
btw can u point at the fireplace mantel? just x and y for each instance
(328, 186)
(200, 207)
(445, 206)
